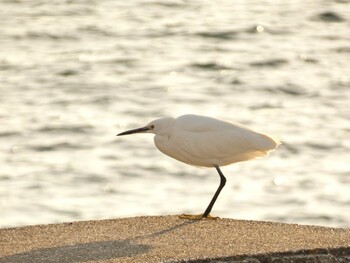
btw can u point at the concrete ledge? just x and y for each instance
(170, 239)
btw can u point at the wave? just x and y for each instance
(57, 146)
(329, 16)
(66, 129)
(276, 62)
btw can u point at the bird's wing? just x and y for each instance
(218, 145)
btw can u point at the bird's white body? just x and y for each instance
(204, 141)
(208, 142)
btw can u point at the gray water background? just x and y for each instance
(73, 74)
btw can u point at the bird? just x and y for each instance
(207, 142)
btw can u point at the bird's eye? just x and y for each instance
(152, 127)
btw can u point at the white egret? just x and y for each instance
(207, 142)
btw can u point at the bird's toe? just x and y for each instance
(197, 217)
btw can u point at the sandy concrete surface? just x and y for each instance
(170, 239)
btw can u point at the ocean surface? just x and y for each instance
(73, 74)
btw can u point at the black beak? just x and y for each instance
(138, 130)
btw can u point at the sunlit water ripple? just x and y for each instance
(75, 73)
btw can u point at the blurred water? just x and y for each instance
(75, 73)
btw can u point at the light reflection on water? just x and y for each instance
(73, 75)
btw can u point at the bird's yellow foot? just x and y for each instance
(197, 217)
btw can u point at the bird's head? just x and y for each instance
(161, 126)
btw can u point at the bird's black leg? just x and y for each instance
(222, 184)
